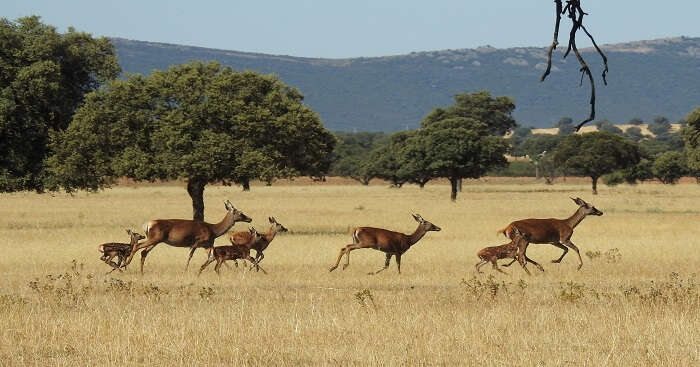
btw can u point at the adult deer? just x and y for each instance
(390, 242)
(186, 233)
(553, 231)
(260, 244)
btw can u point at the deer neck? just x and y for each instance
(416, 235)
(270, 235)
(224, 225)
(576, 218)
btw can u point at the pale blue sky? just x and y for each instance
(353, 28)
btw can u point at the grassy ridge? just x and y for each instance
(635, 300)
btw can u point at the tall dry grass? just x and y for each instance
(634, 302)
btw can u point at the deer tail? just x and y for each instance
(354, 231)
(146, 227)
(101, 248)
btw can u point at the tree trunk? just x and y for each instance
(246, 185)
(537, 171)
(595, 185)
(459, 184)
(196, 190)
(454, 183)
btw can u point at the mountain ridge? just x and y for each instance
(388, 93)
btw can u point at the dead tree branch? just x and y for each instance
(575, 13)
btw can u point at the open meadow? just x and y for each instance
(636, 300)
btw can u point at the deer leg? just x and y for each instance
(108, 261)
(386, 265)
(209, 261)
(337, 261)
(557, 244)
(510, 263)
(144, 253)
(495, 266)
(137, 247)
(218, 266)
(571, 245)
(194, 247)
(398, 263)
(480, 264)
(255, 264)
(259, 257)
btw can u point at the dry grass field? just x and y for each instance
(635, 301)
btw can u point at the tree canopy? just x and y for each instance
(44, 76)
(496, 113)
(198, 122)
(596, 154)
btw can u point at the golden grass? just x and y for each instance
(637, 305)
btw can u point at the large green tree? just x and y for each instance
(44, 76)
(198, 122)
(596, 154)
(462, 147)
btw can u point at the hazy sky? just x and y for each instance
(352, 28)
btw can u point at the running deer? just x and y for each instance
(120, 250)
(259, 245)
(222, 253)
(389, 242)
(509, 250)
(553, 231)
(186, 233)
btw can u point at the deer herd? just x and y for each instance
(195, 234)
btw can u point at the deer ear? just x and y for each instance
(271, 219)
(417, 217)
(128, 231)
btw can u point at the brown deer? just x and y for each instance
(553, 231)
(222, 253)
(259, 245)
(509, 250)
(120, 250)
(390, 242)
(186, 233)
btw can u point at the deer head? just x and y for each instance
(238, 215)
(427, 226)
(278, 226)
(135, 237)
(587, 208)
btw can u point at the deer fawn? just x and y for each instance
(222, 253)
(121, 250)
(553, 231)
(509, 250)
(259, 245)
(390, 242)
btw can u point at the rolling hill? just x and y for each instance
(646, 79)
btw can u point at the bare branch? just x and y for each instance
(555, 41)
(575, 13)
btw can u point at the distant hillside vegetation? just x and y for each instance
(646, 79)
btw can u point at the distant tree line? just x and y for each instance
(609, 154)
